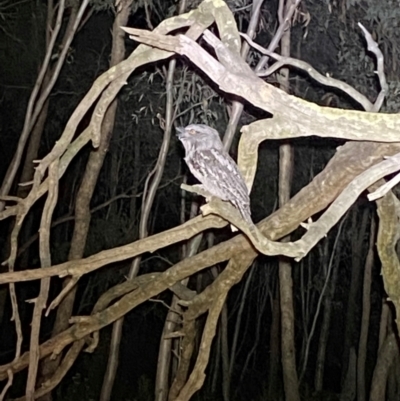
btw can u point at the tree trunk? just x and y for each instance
(290, 380)
(34, 145)
(393, 385)
(85, 193)
(225, 353)
(239, 324)
(28, 171)
(349, 387)
(351, 331)
(165, 369)
(387, 354)
(215, 370)
(366, 302)
(384, 322)
(324, 336)
(288, 353)
(164, 352)
(274, 346)
(41, 91)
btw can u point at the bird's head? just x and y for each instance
(199, 136)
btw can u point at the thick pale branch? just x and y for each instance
(305, 119)
(350, 161)
(292, 117)
(317, 230)
(211, 300)
(261, 243)
(196, 379)
(149, 244)
(66, 364)
(388, 236)
(90, 324)
(325, 187)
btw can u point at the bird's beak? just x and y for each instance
(180, 131)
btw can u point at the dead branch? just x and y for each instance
(350, 160)
(312, 72)
(233, 76)
(65, 365)
(149, 244)
(45, 258)
(32, 111)
(322, 190)
(374, 48)
(306, 118)
(388, 236)
(211, 300)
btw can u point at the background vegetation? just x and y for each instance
(336, 288)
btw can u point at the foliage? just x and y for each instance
(102, 5)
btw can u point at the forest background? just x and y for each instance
(97, 233)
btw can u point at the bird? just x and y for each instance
(211, 164)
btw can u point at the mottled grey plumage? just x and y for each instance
(213, 167)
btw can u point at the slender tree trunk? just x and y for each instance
(223, 330)
(358, 230)
(290, 380)
(349, 387)
(225, 353)
(238, 324)
(384, 322)
(133, 233)
(327, 268)
(393, 385)
(40, 93)
(274, 346)
(28, 171)
(216, 366)
(117, 55)
(164, 352)
(288, 352)
(27, 174)
(387, 354)
(228, 137)
(323, 339)
(366, 302)
(385, 329)
(263, 297)
(165, 369)
(85, 192)
(33, 146)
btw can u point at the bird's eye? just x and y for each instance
(192, 132)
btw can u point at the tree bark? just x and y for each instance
(366, 302)
(393, 385)
(225, 353)
(288, 352)
(388, 352)
(165, 369)
(164, 352)
(274, 346)
(350, 336)
(239, 324)
(326, 320)
(290, 380)
(85, 193)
